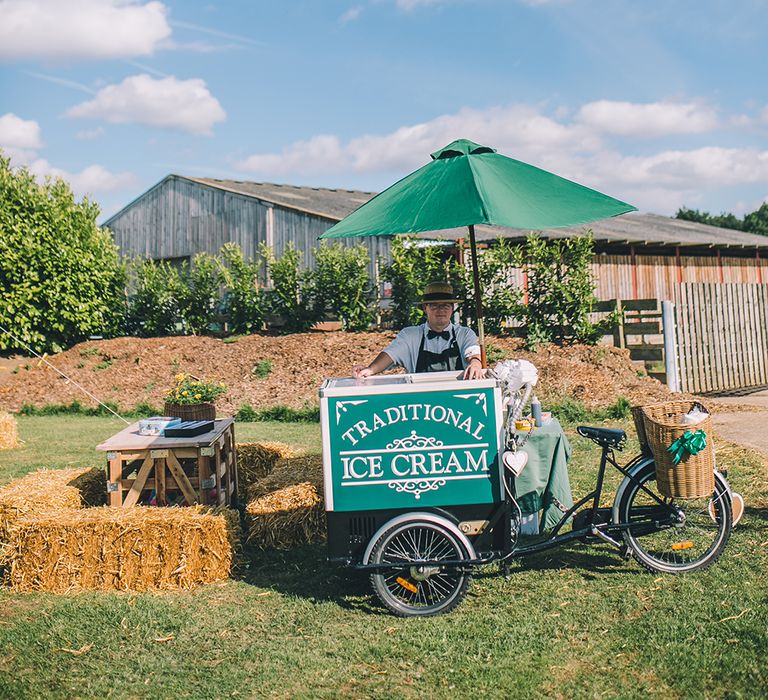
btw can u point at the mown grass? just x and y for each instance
(576, 622)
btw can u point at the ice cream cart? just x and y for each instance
(413, 456)
(419, 490)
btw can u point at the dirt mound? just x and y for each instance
(266, 371)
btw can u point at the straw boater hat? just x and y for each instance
(437, 293)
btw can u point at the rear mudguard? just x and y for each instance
(635, 470)
(428, 517)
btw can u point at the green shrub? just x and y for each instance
(60, 277)
(414, 265)
(621, 409)
(281, 414)
(200, 293)
(246, 414)
(262, 369)
(501, 300)
(145, 410)
(154, 305)
(342, 285)
(244, 297)
(291, 295)
(561, 292)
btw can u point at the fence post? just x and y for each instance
(670, 345)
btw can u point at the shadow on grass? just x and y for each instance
(305, 572)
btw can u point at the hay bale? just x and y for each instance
(137, 549)
(288, 517)
(9, 431)
(289, 472)
(256, 460)
(46, 490)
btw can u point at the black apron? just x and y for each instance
(449, 360)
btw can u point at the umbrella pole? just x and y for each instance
(478, 300)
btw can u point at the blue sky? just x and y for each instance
(659, 103)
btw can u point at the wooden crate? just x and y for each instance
(200, 469)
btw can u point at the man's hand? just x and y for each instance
(474, 369)
(361, 371)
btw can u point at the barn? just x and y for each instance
(636, 255)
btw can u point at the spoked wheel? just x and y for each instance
(409, 588)
(675, 536)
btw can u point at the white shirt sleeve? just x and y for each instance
(467, 341)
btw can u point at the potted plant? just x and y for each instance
(192, 398)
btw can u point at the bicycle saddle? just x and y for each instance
(605, 437)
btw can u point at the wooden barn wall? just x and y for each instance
(304, 230)
(179, 218)
(655, 276)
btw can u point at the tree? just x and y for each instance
(154, 304)
(497, 265)
(60, 276)
(291, 295)
(561, 292)
(756, 222)
(244, 296)
(412, 268)
(201, 293)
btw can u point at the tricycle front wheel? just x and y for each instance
(409, 588)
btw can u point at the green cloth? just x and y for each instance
(544, 482)
(467, 184)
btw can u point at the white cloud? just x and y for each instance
(167, 102)
(519, 130)
(19, 138)
(648, 120)
(90, 134)
(410, 5)
(710, 166)
(93, 178)
(318, 155)
(81, 28)
(574, 148)
(351, 14)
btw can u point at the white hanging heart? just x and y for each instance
(515, 461)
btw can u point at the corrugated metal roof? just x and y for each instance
(638, 229)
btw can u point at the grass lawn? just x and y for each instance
(576, 622)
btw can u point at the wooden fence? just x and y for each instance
(722, 336)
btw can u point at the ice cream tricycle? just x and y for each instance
(420, 475)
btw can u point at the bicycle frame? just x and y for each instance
(594, 526)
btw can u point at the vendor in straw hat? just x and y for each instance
(435, 346)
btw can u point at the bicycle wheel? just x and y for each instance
(675, 536)
(410, 589)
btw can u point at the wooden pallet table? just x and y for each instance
(200, 469)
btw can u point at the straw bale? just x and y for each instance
(288, 472)
(47, 490)
(9, 431)
(287, 517)
(255, 460)
(137, 549)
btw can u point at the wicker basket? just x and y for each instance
(639, 418)
(195, 411)
(693, 476)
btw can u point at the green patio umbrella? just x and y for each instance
(468, 184)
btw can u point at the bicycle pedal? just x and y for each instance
(625, 552)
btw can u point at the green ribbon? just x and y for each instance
(690, 442)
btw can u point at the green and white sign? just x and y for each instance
(412, 448)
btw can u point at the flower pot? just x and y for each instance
(195, 411)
